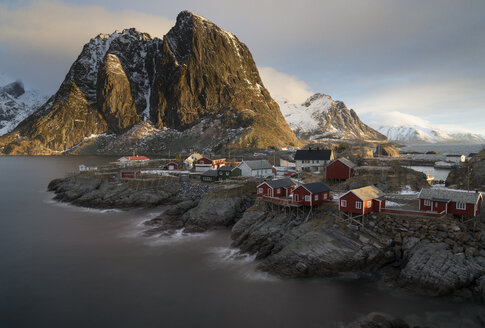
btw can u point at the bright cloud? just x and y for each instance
(55, 27)
(284, 86)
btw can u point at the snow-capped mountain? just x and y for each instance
(322, 117)
(421, 134)
(16, 103)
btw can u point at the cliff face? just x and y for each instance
(322, 117)
(197, 77)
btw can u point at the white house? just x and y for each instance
(313, 160)
(257, 168)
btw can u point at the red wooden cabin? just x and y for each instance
(204, 164)
(450, 201)
(275, 188)
(175, 166)
(312, 194)
(339, 169)
(130, 174)
(362, 200)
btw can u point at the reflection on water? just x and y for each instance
(64, 266)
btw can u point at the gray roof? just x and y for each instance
(313, 154)
(369, 192)
(316, 187)
(210, 173)
(280, 183)
(346, 162)
(469, 197)
(260, 164)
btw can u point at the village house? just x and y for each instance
(176, 166)
(132, 174)
(312, 160)
(209, 176)
(87, 167)
(203, 164)
(256, 168)
(457, 202)
(312, 194)
(225, 172)
(132, 160)
(340, 169)
(192, 158)
(362, 200)
(275, 188)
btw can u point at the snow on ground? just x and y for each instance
(407, 191)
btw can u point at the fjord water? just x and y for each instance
(62, 266)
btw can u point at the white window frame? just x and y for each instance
(307, 198)
(369, 204)
(427, 202)
(460, 206)
(260, 190)
(278, 191)
(316, 197)
(343, 203)
(358, 205)
(324, 196)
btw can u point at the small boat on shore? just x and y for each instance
(429, 178)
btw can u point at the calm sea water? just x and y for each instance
(63, 266)
(446, 149)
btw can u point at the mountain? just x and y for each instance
(16, 103)
(421, 134)
(322, 117)
(198, 87)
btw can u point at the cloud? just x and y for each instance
(40, 40)
(284, 86)
(55, 27)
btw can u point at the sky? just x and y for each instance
(393, 62)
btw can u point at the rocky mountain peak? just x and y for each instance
(196, 78)
(316, 97)
(15, 89)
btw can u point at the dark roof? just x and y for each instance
(226, 168)
(316, 187)
(305, 154)
(472, 154)
(210, 173)
(440, 194)
(279, 183)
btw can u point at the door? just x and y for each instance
(296, 197)
(269, 192)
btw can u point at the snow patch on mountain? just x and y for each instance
(321, 117)
(16, 103)
(427, 134)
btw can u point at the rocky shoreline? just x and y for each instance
(436, 257)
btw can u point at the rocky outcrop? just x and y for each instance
(378, 320)
(470, 175)
(196, 79)
(114, 96)
(310, 249)
(93, 192)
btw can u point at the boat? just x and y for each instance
(429, 178)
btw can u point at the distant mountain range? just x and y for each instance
(321, 117)
(419, 134)
(16, 103)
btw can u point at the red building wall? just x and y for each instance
(264, 189)
(423, 207)
(468, 211)
(316, 199)
(204, 160)
(338, 171)
(352, 199)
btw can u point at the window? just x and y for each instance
(324, 196)
(358, 205)
(307, 198)
(260, 190)
(227, 173)
(343, 203)
(316, 197)
(460, 206)
(369, 204)
(427, 202)
(278, 191)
